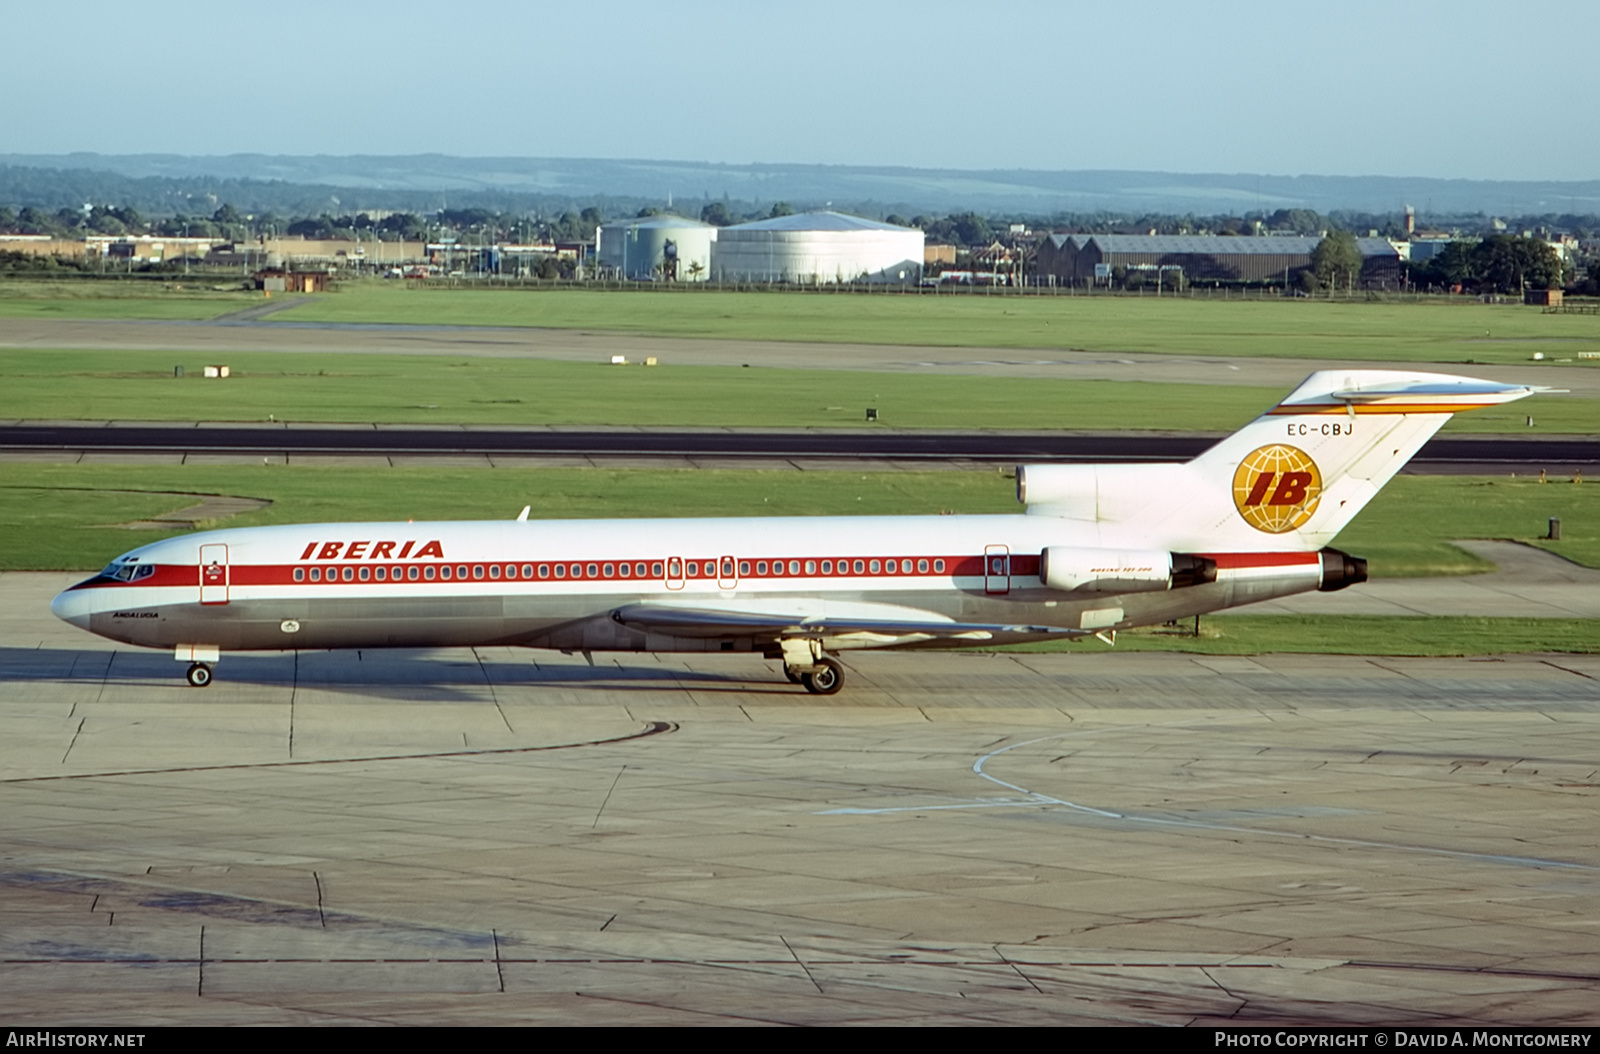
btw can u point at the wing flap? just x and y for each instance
(711, 622)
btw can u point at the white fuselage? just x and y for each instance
(558, 583)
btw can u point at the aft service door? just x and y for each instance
(996, 569)
(213, 574)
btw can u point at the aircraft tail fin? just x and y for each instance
(1291, 479)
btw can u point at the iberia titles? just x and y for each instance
(371, 551)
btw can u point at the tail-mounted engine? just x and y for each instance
(1122, 571)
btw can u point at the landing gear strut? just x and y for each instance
(199, 675)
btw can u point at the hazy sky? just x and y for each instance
(1467, 89)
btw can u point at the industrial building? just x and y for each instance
(817, 248)
(666, 248)
(1084, 258)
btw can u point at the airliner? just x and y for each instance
(1097, 549)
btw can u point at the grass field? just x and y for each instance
(172, 300)
(1412, 331)
(57, 516)
(139, 385)
(1433, 331)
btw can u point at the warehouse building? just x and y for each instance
(1056, 258)
(1084, 258)
(657, 248)
(818, 248)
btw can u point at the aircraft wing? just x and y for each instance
(712, 622)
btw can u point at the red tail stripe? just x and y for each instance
(1226, 561)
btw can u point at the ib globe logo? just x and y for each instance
(1276, 488)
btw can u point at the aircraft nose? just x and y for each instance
(74, 606)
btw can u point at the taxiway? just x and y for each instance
(497, 836)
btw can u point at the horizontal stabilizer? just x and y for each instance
(1396, 392)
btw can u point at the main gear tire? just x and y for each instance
(199, 675)
(825, 679)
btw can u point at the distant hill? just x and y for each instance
(431, 180)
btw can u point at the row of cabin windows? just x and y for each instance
(674, 568)
(425, 572)
(828, 567)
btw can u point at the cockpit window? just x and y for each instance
(131, 571)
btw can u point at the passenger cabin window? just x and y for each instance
(655, 569)
(527, 571)
(299, 574)
(411, 573)
(860, 566)
(561, 570)
(494, 571)
(744, 567)
(938, 567)
(827, 567)
(610, 571)
(316, 574)
(477, 570)
(380, 573)
(444, 573)
(544, 570)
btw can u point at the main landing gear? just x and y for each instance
(825, 677)
(804, 664)
(199, 675)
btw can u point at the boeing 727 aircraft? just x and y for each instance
(1099, 548)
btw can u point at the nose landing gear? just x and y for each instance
(200, 658)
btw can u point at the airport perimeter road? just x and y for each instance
(579, 346)
(501, 836)
(1448, 454)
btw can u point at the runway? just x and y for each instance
(493, 836)
(113, 439)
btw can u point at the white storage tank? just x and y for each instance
(661, 248)
(813, 248)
